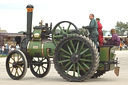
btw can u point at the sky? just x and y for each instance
(13, 13)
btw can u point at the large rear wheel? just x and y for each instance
(76, 54)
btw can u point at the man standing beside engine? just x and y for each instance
(100, 37)
(93, 29)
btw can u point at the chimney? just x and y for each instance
(29, 21)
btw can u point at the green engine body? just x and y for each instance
(40, 45)
(40, 48)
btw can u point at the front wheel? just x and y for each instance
(16, 64)
(40, 66)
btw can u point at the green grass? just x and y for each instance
(1, 56)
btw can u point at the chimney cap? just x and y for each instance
(30, 6)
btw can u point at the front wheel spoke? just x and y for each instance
(10, 63)
(85, 65)
(64, 61)
(84, 51)
(86, 60)
(77, 47)
(39, 69)
(42, 68)
(69, 49)
(12, 70)
(65, 51)
(65, 56)
(20, 69)
(17, 71)
(18, 59)
(69, 68)
(81, 67)
(13, 59)
(34, 67)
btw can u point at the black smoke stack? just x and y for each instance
(29, 21)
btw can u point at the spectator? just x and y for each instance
(0, 50)
(3, 49)
(10, 48)
(115, 40)
(121, 46)
(17, 47)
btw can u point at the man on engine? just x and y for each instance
(93, 29)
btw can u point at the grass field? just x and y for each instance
(2, 56)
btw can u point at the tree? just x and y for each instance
(21, 31)
(121, 28)
(104, 32)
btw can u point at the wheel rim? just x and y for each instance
(40, 67)
(15, 65)
(63, 29)
(73, 57)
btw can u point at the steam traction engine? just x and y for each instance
(75, 56)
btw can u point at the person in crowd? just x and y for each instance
(125, 46)
(93, 29)
(3, 49)
(0, 50)
(121, 46)
(6, 49)
(10, 47)
(17, 47)
(115, 40)
(100, 37)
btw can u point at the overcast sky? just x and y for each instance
(13, 12)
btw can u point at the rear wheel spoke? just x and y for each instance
(69, 69)
(86, 60)
(77, 47)
(84, 51)
(74, 70)
(85, 65)
(87, 55)
(64, 61)
(65, 56)
(81, 47)
(69, 49)
(81, 67)
(65, 51)
(67, 64)
(78, 72)
(72, 45)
